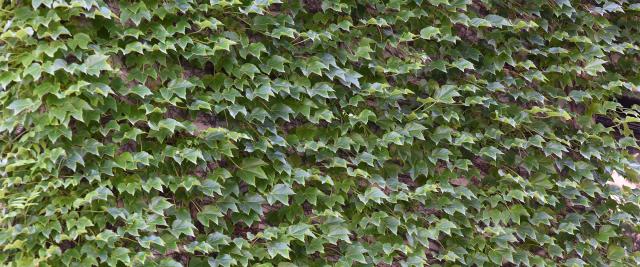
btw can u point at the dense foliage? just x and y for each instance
(309, 132)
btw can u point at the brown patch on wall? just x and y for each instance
(312, 6)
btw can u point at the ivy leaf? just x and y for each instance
(79, 40)
(55, 31)
(141, 90)
(463, 64)
(442, 132)
(605, 233)
(541, 217)
(119, 254)
(321, 89)
(439, 154)
(170, 124)
(446, 93)
(280, 193)
(169, 263)
(20, 105)
(616, 252)
(37, 3)
(490, 152)
(222, 260)
(429, 32)
(278, 248)
(593, 67)
(182, 224)
(300, 231)
(179, 87)
(554, 148)
(355, 253)
(252, 203)
(445, 226)
(34, 70)
(283, 31)
(256, 49)
(94, 64)
(249, 70)
(159, 204)
(146, 241)
(337, 232)
(192, 155)
(209, 213)
(223, 44)
(252, 168)
(210, 188)
(374, 194)
(276, 63)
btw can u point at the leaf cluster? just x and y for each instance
(318, 132)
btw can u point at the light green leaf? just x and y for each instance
(429, 32)
(94, 64)
(20, 105)
(159, 204)
(280, 193)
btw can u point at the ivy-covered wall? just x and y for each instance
(311, 132)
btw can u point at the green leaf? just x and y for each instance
(170, 124)
(300, 231)
(159, 204)
(119, 254)
(554, 148)
(223, 44)
(250, 169)
(94, 64)
(606, 232)
(442, 132)
(355, 253)
(179, 87)
(337, 232)
(249, 70)
(252, 203)
(283, 31)
(35, 71)
(446, 93)
(616, 252)
(79, 40)
(20, 105)
(373, 194)
(278, 248)
(445, 226)
(209, 213)
(276, 63)
(439, 154)
(463, 64)
(256, 49)
(210, 188)
(491, 152)
(141, 90)
(429, 32)
(146, 241)
(280, 193)
(182, 224)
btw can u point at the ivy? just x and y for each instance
(313, 133)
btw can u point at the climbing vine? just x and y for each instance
(311, 132)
